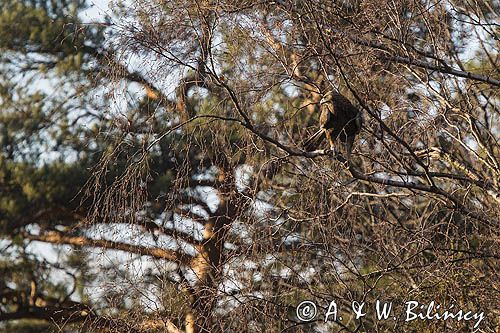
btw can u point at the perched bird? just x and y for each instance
(339, 119)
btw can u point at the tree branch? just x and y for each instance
(55, 237)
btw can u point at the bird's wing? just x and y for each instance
(326, 115)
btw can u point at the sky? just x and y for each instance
(97, 10)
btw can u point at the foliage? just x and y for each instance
(155, 161)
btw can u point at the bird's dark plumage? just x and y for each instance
(339, 119)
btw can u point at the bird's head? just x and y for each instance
(327, 97)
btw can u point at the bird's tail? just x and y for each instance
(314, 141)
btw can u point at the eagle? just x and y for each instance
(339, 119)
